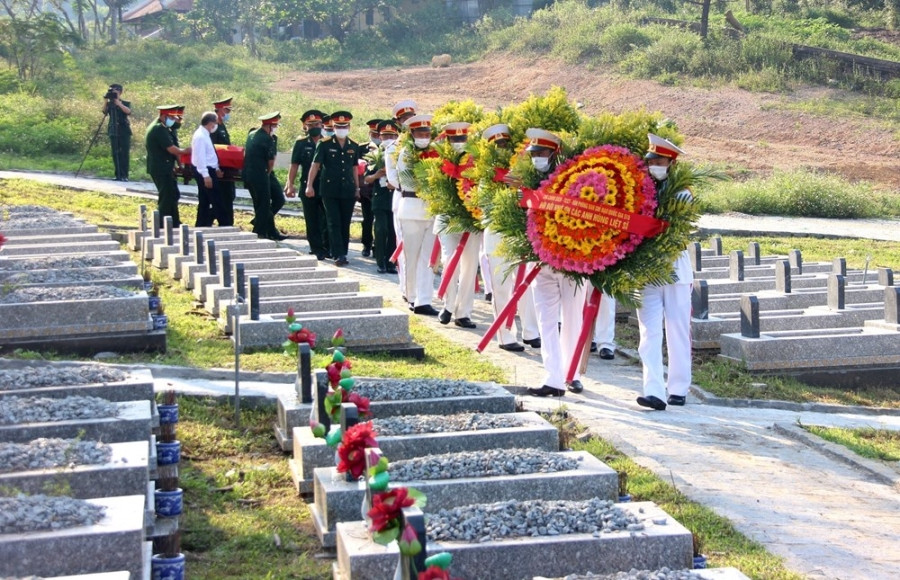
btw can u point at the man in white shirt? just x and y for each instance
(206, 168)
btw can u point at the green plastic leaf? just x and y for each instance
(387, 536)
(338, 356)
(421, 500)
(379, 481)
(441, 560)
(295, 327)
(347, 383)
(334, 437)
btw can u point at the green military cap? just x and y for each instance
(341, 117)
(223, 103)
(270, 118)
(167, 109)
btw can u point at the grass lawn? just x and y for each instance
(879, 444)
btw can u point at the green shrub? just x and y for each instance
(622, 38)
(800, 193)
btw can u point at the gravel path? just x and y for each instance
(47, 453)
(34, 513)
(29, 377)
(489, 463)
(16, 410)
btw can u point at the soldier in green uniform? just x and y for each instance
(162, 153)
(225, 213)
(365, 189)
(313, 207)
(119, 130)
(385, 239)
(259, 177)
(337, 159)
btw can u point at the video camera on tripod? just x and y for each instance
(111, 94)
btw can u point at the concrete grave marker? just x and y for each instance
(885, 277)
(696, 254)
(240, 285)
(795, 257)
(700, 299)
(185, 240)
(836, 284)
(839, 266)
(783, 276)
(715, 243)
(225, 268)
(199, 248)
(749, 316)
(168, 226)
(753, 253)
(254, 297)
(892, 304)
(736, 266)
(156, 224)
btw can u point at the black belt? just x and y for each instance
(408, 194)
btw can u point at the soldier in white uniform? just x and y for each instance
(401, 111)
(416, 226)
(459, 298)
(558, 300)
(504, 281)
(671, 304)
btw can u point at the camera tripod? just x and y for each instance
(93, 139)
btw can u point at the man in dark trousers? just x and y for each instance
(365, 190)
(313, 207)
(385, 239)
(118, 129)
(259, 177)
(220, 136)
(162, 153)
(337, 159)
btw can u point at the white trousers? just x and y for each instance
(485, 264)
(605, 330)
(558, 299)
(669, 304)
(503, 285)
(401, 265)
(460, 295)
(418, 239)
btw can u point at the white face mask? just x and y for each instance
(422, 143)
(214, 128)
(658, 172)
(341, 133)
(274, 130)
(542, 164)
(385, 143)
(458, 146)
(327, 133)
(226, 117)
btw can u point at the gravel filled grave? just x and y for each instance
(16, 410)
(30, 377)
(421, 424)
(489, 463)
(65, 276)
(68, 293)
(57, 262)
(633, 574)
(35, 513)
(48, 453)
(400, 390)
(509, 519)
(26, 217)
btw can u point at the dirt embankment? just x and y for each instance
(724, 125)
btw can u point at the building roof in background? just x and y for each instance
(151, 7)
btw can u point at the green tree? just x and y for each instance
(338, 16)
(33, 41)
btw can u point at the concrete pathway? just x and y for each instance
(829, 514)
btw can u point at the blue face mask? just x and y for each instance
(226, 117)
(170, 121)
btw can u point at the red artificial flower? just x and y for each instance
(2, 240)
(386, 506)
(362, 403)
(352, 450)
(434, 573)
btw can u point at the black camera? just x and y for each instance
(111, 94)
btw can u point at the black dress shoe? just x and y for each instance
(575, 386)
(607, 354)
(512, 347)
(489, 296)
(445, 316)
(391, 270)
(534, 342)
(593, 346)
(654, 403)
(465, 323)
(381, 270)
(342, 261)
(546, 391)
(677, 400)
(366, 252)
(427, 310)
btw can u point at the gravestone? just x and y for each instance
(225, 268)
(836, 300)
(736, 266)
(839, 266)
(749, 316)
(167, 229)
(715, 243)
(892, 304)
(885, 277)
(240, 285)
(783, 276)
(700, 299)
(185, 240)
(795, 257)
(211, 262)
(696, 254)
(199, 248)
(254, 298)
(753, 253)
(156, 223)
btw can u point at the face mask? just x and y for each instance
(458, 146)
(341, 133)
(542, 164)
(387, 142)
(214, 128)
(226, 117)
(376, 141)
(314, 132)
(327, 133)
(274, 130)
(422, 143)
(658, 172)
(169, 122)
